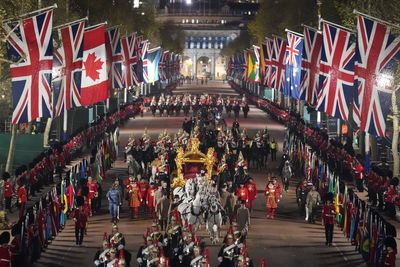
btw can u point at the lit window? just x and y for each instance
(192, 21)
(183, 21)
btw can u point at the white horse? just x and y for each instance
(133, 165)
(195, 216)
(214, 220)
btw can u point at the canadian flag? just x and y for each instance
(94, 86)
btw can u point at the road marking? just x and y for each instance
(341, 252)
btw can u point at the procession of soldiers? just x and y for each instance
(225, 199)
(171, 105)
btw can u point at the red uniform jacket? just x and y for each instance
(5, 256)
(252, 188)
(81, 218)
(328, 214)
(150, 197)
(8, 190)
(93, 189)
(143, 186)
(22, 198)
(359, 169)
(242, 194)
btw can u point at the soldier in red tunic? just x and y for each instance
(22, 198)
(150, 198)
(5, 253)
(8, 191)
(242, 193)
(328, 216)
(143, 186)
(252, 189)
(93, 194)
(135, 199)
(80, 219)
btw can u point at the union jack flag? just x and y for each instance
(310, 65)
(144, 45)
(162, 65)
(30, 45)
(336, 76)
(294, 49)
(130, 60)
(376, 47)
(68, 68)
(114, 57)
(268, 48)
(277, 77)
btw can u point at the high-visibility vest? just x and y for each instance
(273, 145)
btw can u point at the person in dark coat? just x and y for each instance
(80, 218)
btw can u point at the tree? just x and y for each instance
(172, 37)
(276, 15)
(242, 42)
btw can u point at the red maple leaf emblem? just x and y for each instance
(92, 66)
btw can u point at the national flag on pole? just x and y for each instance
(294, 49)
(253, 64)
(310, 65)
(268, 48)
(144, 51)
(30, 47)
(336, 78)
(94, 87)
(162, 66)
(277, 77)
(130, 59)
(68, 68)
(153, 57)
(244, 59)
(114, 58)
(262, 59)
(376, 49)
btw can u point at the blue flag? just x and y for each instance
(293, 56)
(151, 68)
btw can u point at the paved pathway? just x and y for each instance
(285, 241)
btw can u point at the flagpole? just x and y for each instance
(339, 26)
(376, 19)
(97, 25)
(69, 23)
(295, 33)
(30, 13)
(312, 28)
(65, 125)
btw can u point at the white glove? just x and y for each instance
(139, 260)
(220, 259)
(97, 262)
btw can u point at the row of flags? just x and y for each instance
(77, 67)
(335, 70)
